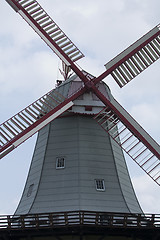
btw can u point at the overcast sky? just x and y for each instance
(28, 69)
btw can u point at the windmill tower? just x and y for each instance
(78, 167)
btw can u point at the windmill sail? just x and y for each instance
(30, 120)
(135, 59)
(47, 29)
(141, 148)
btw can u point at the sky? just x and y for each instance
(28, 69)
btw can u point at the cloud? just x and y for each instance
(148, 193)
(147, 113)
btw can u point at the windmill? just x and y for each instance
(110, 116)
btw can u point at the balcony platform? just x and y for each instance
(81, 223)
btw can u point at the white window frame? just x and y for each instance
(60, 162)
(100, 185)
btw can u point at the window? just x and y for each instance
(60, 163)
(88, 108)
(30, 190)
(100, 185)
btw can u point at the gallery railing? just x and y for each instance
(79, 218)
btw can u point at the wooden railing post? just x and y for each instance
(51, 220)
(125, 220)
(66, 218)
(111, 221)
(9, 222)
(80, 218)
(96, 219)
(139, 220)
(22, 221)
(36, 221)
(153, 220)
